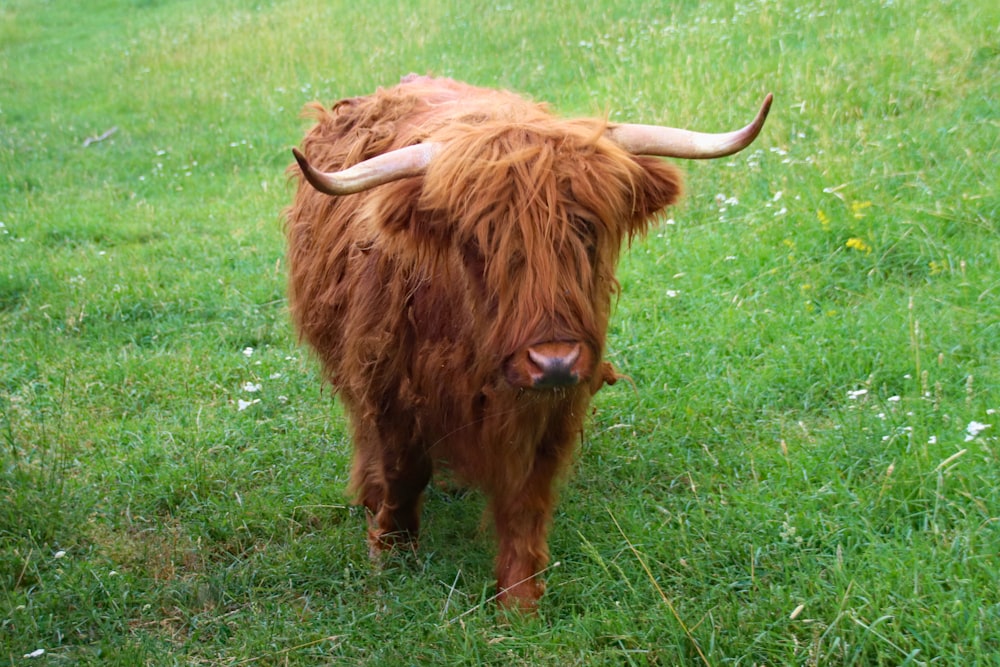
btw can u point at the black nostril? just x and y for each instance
(555, 370)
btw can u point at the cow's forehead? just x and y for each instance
(557, 166)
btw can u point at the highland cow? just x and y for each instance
(452, 254)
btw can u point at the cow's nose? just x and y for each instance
(554, 365)
(550, 365)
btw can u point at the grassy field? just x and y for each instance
(808, 470)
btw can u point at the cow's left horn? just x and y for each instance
(674, 142)
(385, 168)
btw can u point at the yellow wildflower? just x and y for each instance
(858, 208)
(824, 220)
(858, 244)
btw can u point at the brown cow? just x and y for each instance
(452, 257)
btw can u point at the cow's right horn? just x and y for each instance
(381, 169)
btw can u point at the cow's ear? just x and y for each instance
(395, 216)
(660, 186)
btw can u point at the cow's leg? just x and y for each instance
(366, 479)
(522, 519)
(388, 478)
(405, 475)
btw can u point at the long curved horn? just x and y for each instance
(674, 142)
(385, 168)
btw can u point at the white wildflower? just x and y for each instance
(722, 201)
(250, 387)
(242, 405)
(975, 428)
(248, 352)
(856, 394)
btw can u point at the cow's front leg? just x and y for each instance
(522, 519)
(405, 475)
(389, 480)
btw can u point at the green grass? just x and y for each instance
(746, 504)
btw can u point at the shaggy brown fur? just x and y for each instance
(421, 297)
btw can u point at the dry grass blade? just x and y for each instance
(659, 590)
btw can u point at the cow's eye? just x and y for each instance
(475, 264)
(586, 230)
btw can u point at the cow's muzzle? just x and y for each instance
(550, 365)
